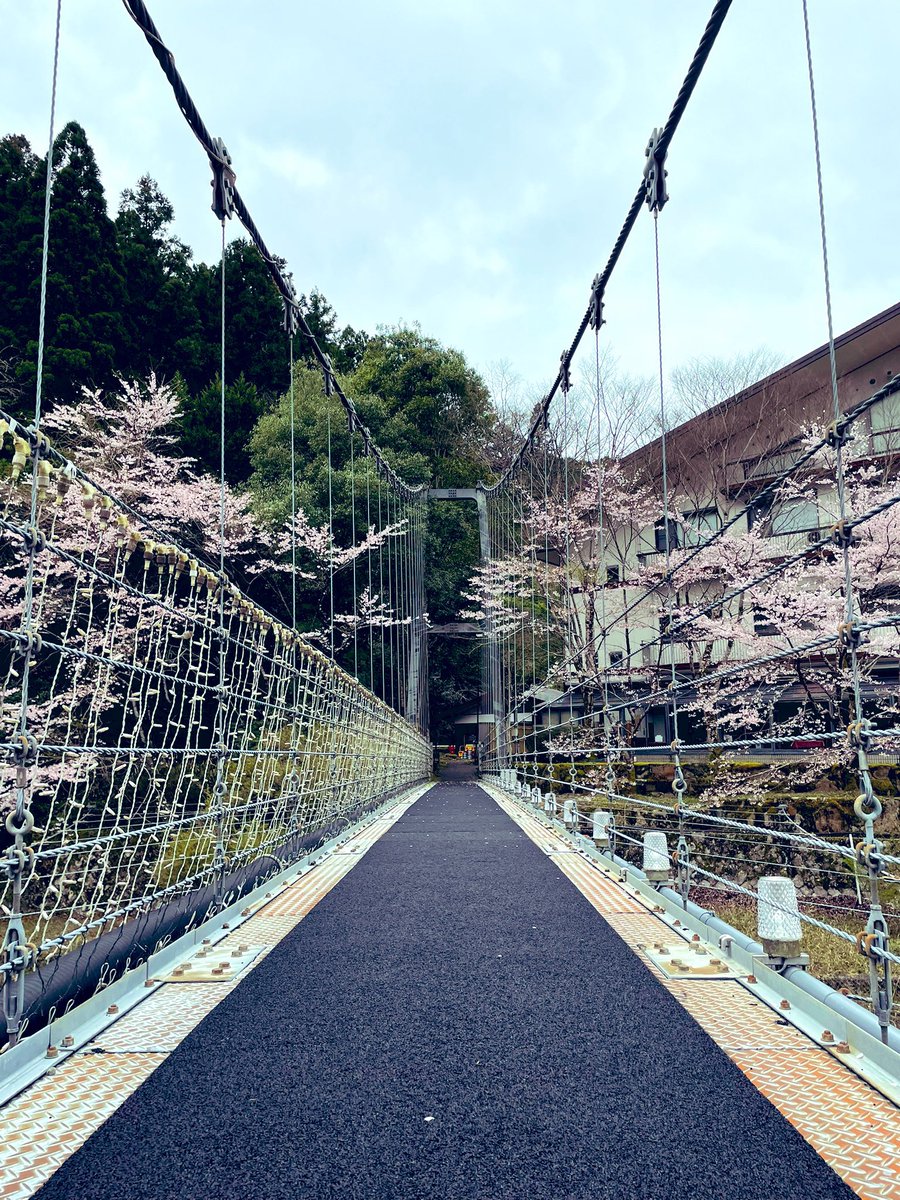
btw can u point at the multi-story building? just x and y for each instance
(718, 463)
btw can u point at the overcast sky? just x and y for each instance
(467, 163)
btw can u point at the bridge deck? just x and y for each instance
(452, 1021)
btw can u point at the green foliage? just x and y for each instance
(87, 333)
(158, 272)
(436, 402)
(200, 426)
(431, 415)
(125, 298)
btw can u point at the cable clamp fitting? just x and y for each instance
(24, 751)
(597, 303)
(839, 433)
(38, 441)
(565, 373)
(871, 943)
(850, 636)
(290, 321)
(18, 862)
(844, 535)
(35, 541)
(869, 855)
(18, 955)
(859, 734)
(328, 373)
(223, 180)
(655, 194)
(27, 645)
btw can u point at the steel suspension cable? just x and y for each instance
(598, 287)
(221, 164)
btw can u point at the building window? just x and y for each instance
(762, 624)
(616, 657)
(700, 523)
(885, 418)
(659, 535)
(758, 511)
(770, 464)
(796, 516)
(613, 575)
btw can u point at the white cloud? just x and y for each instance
(301, 171)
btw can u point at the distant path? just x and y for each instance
(454, 1020)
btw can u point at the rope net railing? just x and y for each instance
(168, 757)
(711, 614)
(171, 743)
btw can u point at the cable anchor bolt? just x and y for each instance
(223, 180)
(655, 194)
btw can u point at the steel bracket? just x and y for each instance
(655, 174)
(223, 181)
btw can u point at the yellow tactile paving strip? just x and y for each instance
(49, 1121)
(853, 1127)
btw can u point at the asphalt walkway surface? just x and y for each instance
(453, 1020)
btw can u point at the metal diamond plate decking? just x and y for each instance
(46, 1124)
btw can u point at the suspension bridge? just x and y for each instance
(252, 947)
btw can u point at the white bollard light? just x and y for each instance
(600, 824)
(657, 864)
(778, 917)
(569, 814)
